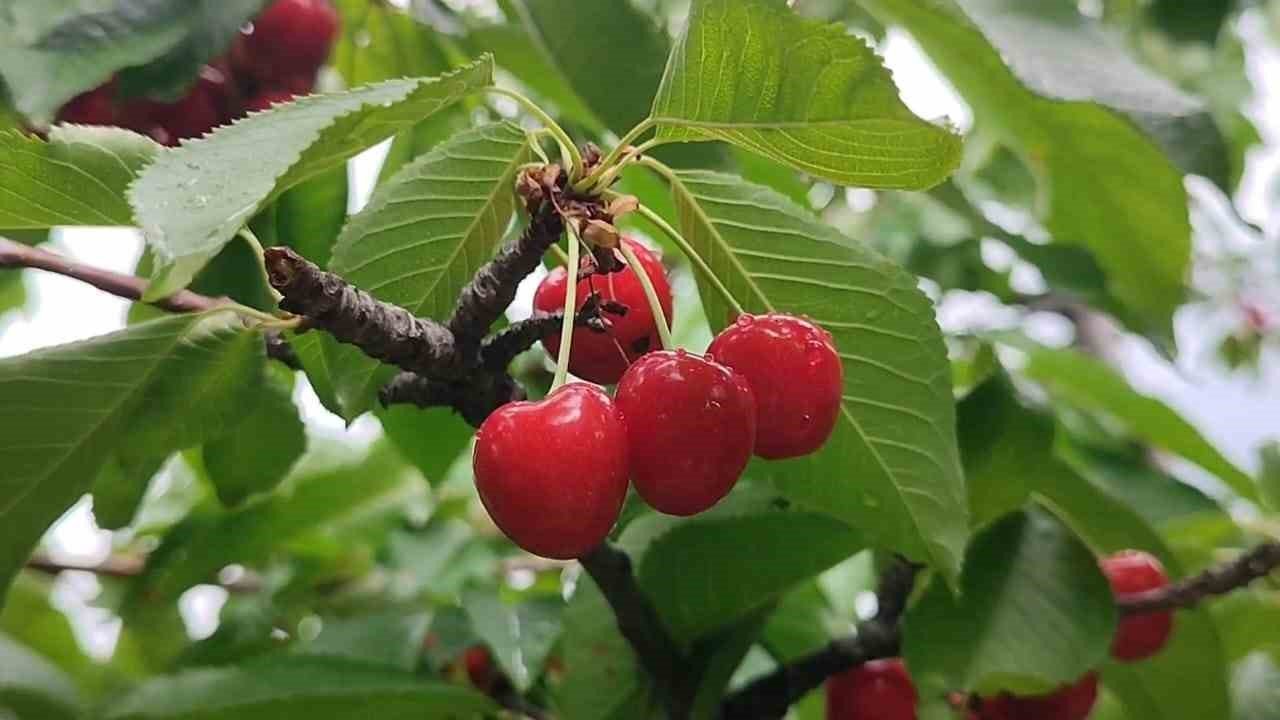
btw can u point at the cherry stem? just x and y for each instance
(615, 155)
(247, 235)
(567, 148)
(650, 294)
(570, 303)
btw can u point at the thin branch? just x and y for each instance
(1253, 565)
(641, 625)
(770, 696)
(474, 397)
(16, 255)
(130, 566)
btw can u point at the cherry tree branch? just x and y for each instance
(17, 255)
(1253, 565)
(770, 696)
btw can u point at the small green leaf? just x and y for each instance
(1104, 184)
(380, 41)
(1269, 476)
(891, 468)
(391, 638)
(422, 237)
(1078, 380)
(120, 486)
(257, 452)
(297, 687)
(520, 636)
(31, 687)
(194, 199)
(1187, 679)
(1003, 445)
(804, 93)
(77, 177)
(68, 408)
(1034, 613)
(716, 584)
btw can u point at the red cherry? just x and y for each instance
(199, 111)
(553, 474)
(1137, 636)
(95, 107)
(691, 424)
(1071, 702)
(876, 690)
(603, 357)
(795, 372)
(264, 100)
(289, 38)
(479, 665)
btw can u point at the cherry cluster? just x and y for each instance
(883, 690)
(681, 427)
(272, 60)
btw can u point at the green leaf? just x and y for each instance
(799, 626)
(892, 467)
(52, 51)
(603, 678)
(422, 237)
(120, 486)
(1104, 184)
(1269, 476)
(68, 408)
(1034, 613)
(1186, 680)
(194, 199)
(309, 217)
(256, 454)
(716, 584)
(430, 439)
(392, 638)
(319, 499)
(77, 177)
(31, 687)
(1078, 380)
(1003, 445)
(30, 619)
(379, 41)
(297, 687)
(804, 93)
(520, 636)
(610, 53)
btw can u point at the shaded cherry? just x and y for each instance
(553, 473)
(290, 38)
(264, 100)
(796, 375)
(1138, 636)
(876, 690)
(1071, 702)
(95, 107)
(479, 665)
(203, 108)
(603, 357)
(691, 425)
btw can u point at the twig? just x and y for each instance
(640, 624)
(16, 255)
(1255, 564)
(771, 695)
(130, 566)
(474, 397)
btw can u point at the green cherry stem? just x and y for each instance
(570, 310)
(614, 156)
(655, 305)
(256, 245)
(566, 143)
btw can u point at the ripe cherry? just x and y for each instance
(479, 665)
(95, 107)
(203, 108)
(795, 372)
(877, 690)
(289, 38)
(553, 473)
(1071, 702)
(691, 424)
(1137, 636)
(603, 357)
(264, 100)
